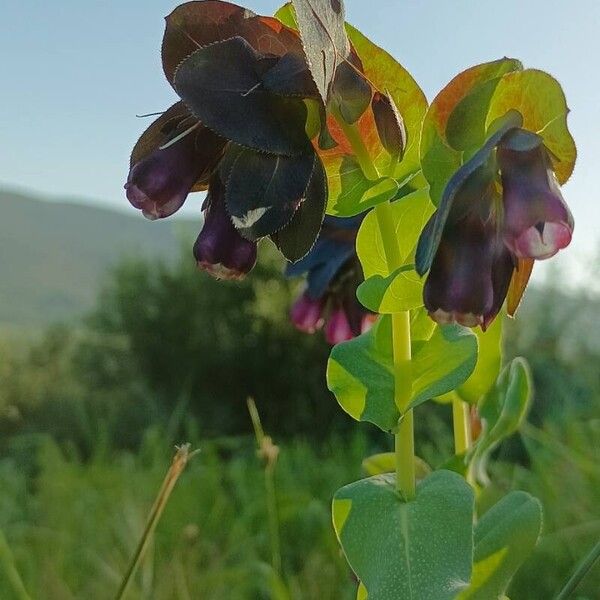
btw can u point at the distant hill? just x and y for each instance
(54, 256)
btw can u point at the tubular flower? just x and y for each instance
(160, 180)
(333, 274)
(537, 221)
(220, 249)
(500, 210)
(239, 128)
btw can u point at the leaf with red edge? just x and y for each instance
(453, 111)
(173, 122)
(542, 103)
(518, 283)
(220, 85)
(321, 25)
(193, 25)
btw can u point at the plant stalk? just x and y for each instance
(461, 423)
(269, 453)
(404, 437)
(180, 460)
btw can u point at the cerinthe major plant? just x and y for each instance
(435, 216)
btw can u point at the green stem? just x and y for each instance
(582, 570)
(462, 429)
(404, 437)
(358, 146)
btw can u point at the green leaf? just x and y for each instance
(410, 214)
(489, 362)
(400, 291)
(454, 114)
(361, 593)
(360, 371)
(350, 192)
(504, 538)
(377, 464)
(410, 550)
(443, 362)
(502, 411)
(541, 101)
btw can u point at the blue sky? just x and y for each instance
(74, 74)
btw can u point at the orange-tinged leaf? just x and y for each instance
(439, 159)
(518, 283)
(542, 103)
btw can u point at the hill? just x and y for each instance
(54, 255)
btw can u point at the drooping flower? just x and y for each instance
(164, 172)
(537, 221)
(501, 209)
(220, 249)
(240, 126)
(333, 273)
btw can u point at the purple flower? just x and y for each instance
(240, 125)
(338, 328)
(307, 313)
(471, 269)
(500, 209)
(537, 221)
(159, 184)
(220, 249)
(173, 157)
(333, 274)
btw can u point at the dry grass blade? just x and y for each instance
(180, 460)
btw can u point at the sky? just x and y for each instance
(75, 74)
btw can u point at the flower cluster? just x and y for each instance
(500, 211)
(238, 132)
(333, 274)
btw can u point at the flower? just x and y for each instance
(220, 249)
(537, 221)
(500, 210)
(238, 131)
(471, 271)
(333, 274)
(159, 183)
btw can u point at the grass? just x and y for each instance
(72, 527)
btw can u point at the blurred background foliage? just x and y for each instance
(90, 410)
